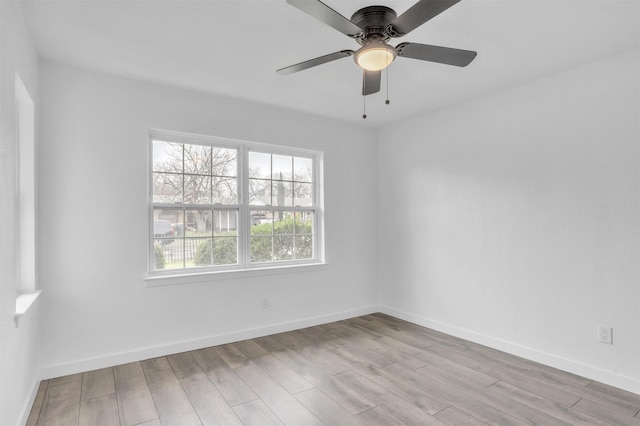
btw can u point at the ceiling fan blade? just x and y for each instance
(417, 15)
(442, 55)
(370, 82)
(324, 13)
(315, 62)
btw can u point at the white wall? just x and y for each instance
(513, 220)
(93, 219)
(19, 347)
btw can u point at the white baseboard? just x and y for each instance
(594, 373)
(25, 410)
(609, 377)
(140, 354)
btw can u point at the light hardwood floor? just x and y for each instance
(371, 370)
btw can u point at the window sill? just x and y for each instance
(199, 277)
(23, 303)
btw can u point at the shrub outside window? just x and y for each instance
(227, 205)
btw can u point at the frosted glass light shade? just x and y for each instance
(375, 56)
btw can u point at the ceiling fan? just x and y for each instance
(372, 27)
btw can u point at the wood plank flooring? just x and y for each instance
(370, 370)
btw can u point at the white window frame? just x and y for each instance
(244, 265)
(26, 287)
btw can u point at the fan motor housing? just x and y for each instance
(373, 20)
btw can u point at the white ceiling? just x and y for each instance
(234, 47)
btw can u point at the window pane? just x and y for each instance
(167, 246)
(261, 249)
(283, 247)
(282, 192)
(203, 255)
(261, 223)
(304, 223)
(259, 165)
(199, 223)
(197, 159)
(225, 240)
(173, 256)
(161, 235)
(225, 191)
(167, 157)
(197, 189)
(259, 192)
(225, 222)
(167, 188)
(302, 168)
(164, 222)
(159, 261)
(197, 233)
(226, 250)
(283, 223)
(303, 247)
(303, 194)
(282, 167)
(225, 162)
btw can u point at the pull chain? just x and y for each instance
(364, 106)
(364, 97)
(387, 75)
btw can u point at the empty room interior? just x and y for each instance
(302, 212)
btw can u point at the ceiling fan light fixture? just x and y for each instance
(375, 56)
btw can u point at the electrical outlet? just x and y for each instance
(265, 303)
(605, 335)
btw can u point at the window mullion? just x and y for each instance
(244, 237)
(183, 176)
(183, 239)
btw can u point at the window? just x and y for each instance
(26, 288)
(221, 205)
(25, 126)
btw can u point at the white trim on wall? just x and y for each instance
(190, 345)
(548, 359)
